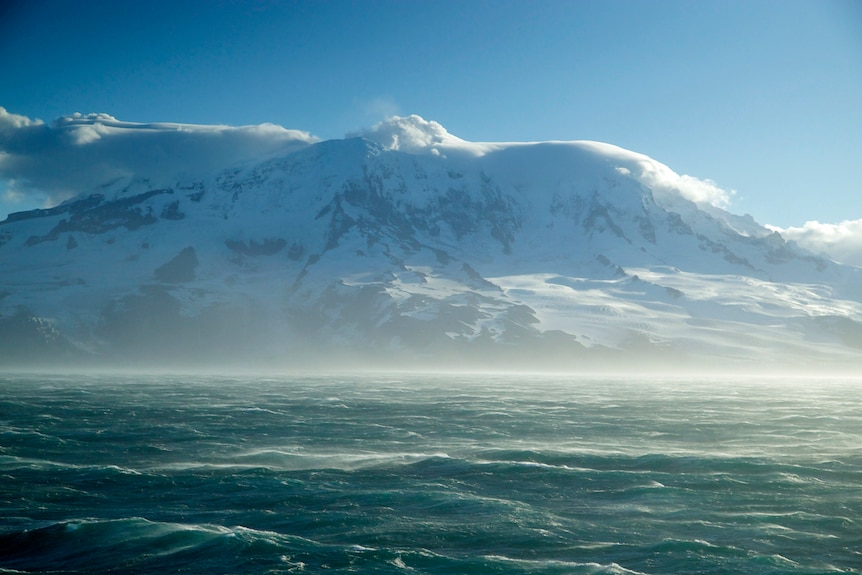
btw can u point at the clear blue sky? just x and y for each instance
(762, 96)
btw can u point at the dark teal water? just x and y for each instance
(455, 474)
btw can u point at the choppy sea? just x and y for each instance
(429, 474)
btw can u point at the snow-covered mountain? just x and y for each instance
(407, 246)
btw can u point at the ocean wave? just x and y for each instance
(283, 460)
(13, 463)
(135, 544)
(559, 566)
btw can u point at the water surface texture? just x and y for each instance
(429, 474)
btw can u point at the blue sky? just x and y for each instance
(761, 96)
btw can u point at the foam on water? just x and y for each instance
(421, 474)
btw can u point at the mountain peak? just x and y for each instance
(412, 134)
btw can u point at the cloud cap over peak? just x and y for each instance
(416, 135)
(51, 162)
(412, 134)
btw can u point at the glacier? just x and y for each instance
(404, 246)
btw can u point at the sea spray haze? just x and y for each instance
(429, 474)
(406, 246)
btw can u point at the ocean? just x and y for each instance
(429, 474)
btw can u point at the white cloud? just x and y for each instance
(11, 121)
(662, 180)
(841, 242)
(412, 134)
(78, 152)
(703, 191)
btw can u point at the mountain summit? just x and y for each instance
(406, 246)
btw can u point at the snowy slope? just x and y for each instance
(406, 244)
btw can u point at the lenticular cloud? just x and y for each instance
(79, 152)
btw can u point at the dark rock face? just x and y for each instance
(94, 215)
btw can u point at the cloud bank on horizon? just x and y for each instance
(52, 162)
